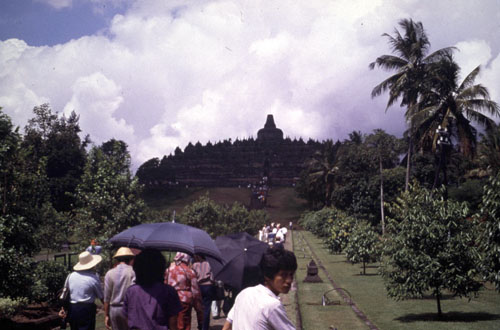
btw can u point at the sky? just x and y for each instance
(159, 74)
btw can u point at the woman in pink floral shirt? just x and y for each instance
(183, 279)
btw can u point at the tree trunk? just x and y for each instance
(407, 179)
(438, 300)
(382, 219)
(364, 267)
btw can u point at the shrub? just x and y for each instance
(49, 277)
(340, 231)
(363, 245)
(320, 222)
(217, 220)
(9, 306)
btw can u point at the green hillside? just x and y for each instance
(283, 204)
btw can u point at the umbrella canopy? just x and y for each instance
(241, 253)
(168, 236)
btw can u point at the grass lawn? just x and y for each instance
(369, 294)
(313, 314)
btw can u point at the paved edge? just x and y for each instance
(298, 317)
(346, 298)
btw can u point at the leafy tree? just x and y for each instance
(455, 106)
(363, 245)
(490, 240)
(205, 214)
(108, 199)
(355, 164)
(340, 232)
(23, 208)
(55, 141)
(411, 64)
(489, 150)
(148, 172)
(430, 247)
(385, 147)
(321, 170)
(217, 220)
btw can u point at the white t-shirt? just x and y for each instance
(258, 308)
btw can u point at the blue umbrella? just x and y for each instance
(168, 236)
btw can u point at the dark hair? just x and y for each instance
(125, 259)
(276, 259)
(149, 267)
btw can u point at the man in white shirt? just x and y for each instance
(259, 307)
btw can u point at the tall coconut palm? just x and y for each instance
(410, 62)
(322, 169)
(455, 106)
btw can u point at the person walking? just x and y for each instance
(116, 283)
(183, 279)
(149, 303)
(259, 307)
(84, 288)
(206, 282)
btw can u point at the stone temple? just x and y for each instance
(230, 164)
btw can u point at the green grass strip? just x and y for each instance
(369, 293)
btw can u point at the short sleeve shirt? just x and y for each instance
(258, 308)
(150, 307)
(84, 287)
(116, 283)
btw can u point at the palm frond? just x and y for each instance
(389, 62)
(469, 80)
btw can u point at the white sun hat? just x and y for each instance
(86, 260)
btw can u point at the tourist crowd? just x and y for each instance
(141, 292)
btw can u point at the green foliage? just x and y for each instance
(9, 306)
(23, 209)
(108, 199)
(470, 191)
(363, 245)
(55, 141)
(320, 222)
(490, 240)
(340, 231)
(49, 277)
(430, 247)
(217, 220)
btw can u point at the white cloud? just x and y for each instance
(99, 98)
(471, 54)
(57, 4)
(171, 72)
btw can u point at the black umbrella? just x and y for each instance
(168, 236)
(241, 253)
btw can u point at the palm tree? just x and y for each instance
(384, 147)
(449, 105)
(323, 170)
(454, 106)
(410, 63)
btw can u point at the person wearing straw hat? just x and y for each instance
(84, 287)
(116, 283)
